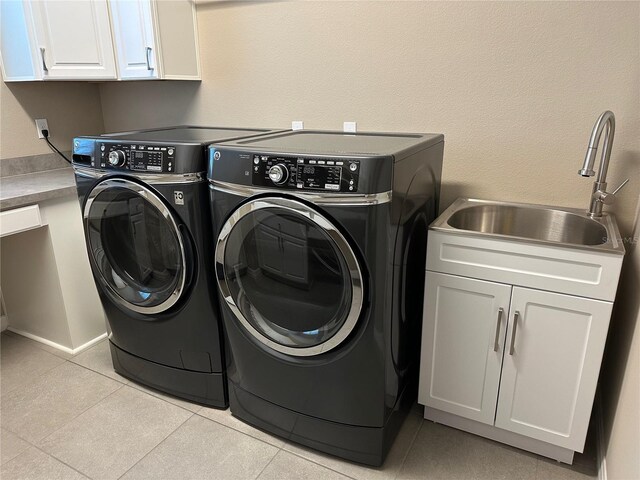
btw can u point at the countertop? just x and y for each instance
(30, 188)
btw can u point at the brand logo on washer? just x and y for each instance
(178, 197)
(216, 155)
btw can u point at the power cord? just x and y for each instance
(45, 134)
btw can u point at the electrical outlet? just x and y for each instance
(41, 124)
(349, 127)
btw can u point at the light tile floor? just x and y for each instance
(73, 417)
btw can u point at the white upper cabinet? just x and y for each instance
(74, 39)
(134, 39)
(155, 39)
(98, 40)
(19, 53)
(176, 39)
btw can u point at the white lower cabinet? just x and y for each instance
(463, 329)
(513, 360)
(551, 365)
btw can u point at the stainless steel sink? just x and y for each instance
(532, 223)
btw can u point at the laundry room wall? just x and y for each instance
(515, 87)
(71, 108)
(620, 377)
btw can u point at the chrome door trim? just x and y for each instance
(320, 198)
(345, 249)
(149, 178)
(154, 200)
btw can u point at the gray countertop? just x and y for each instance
(30, 188)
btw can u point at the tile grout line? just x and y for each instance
(280, 449)
(131, 384)
(413, 440)
(320, 464)
(99, 373)
(41, 346)
(268, 463)
(139, 388)
(73, 418)
(38, 375)
(76, 416)
(239, 431)
(21, 438)
(158, 444)
(37, 447)
(34, 378)
(61, 461)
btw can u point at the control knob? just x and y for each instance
(117, 158)
(279, 174)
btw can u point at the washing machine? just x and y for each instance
(320, 252)
(147, 226)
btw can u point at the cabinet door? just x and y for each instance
(74, 39)
(18, 48)
(134, 39)
(463, 335)
(549, 377)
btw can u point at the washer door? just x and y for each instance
(135, 245)
(289, 276)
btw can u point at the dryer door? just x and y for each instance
(135, 246)
(289, 276)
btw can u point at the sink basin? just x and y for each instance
(533, 223)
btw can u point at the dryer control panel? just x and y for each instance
(303, 173)
(136, 157)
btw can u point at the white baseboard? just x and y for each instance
(71, 351)
(601, 447)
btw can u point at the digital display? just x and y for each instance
(325, 178)
(151, 161)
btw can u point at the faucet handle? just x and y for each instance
(620, 187)
(606, 197)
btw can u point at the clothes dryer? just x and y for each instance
(320, 254)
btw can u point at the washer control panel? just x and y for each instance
(136, 157)
(302, 173)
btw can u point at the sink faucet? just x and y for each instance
(599, 195)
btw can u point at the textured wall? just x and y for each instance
(620, 378)
(515, 87)
(71, 108)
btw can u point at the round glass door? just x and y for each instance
(135, 245)
(289, 276)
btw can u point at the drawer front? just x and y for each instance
(19, 219)
(563, 270)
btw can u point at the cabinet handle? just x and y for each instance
(149, 67)
(44, 63)
(495, 341)
(513, 332)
